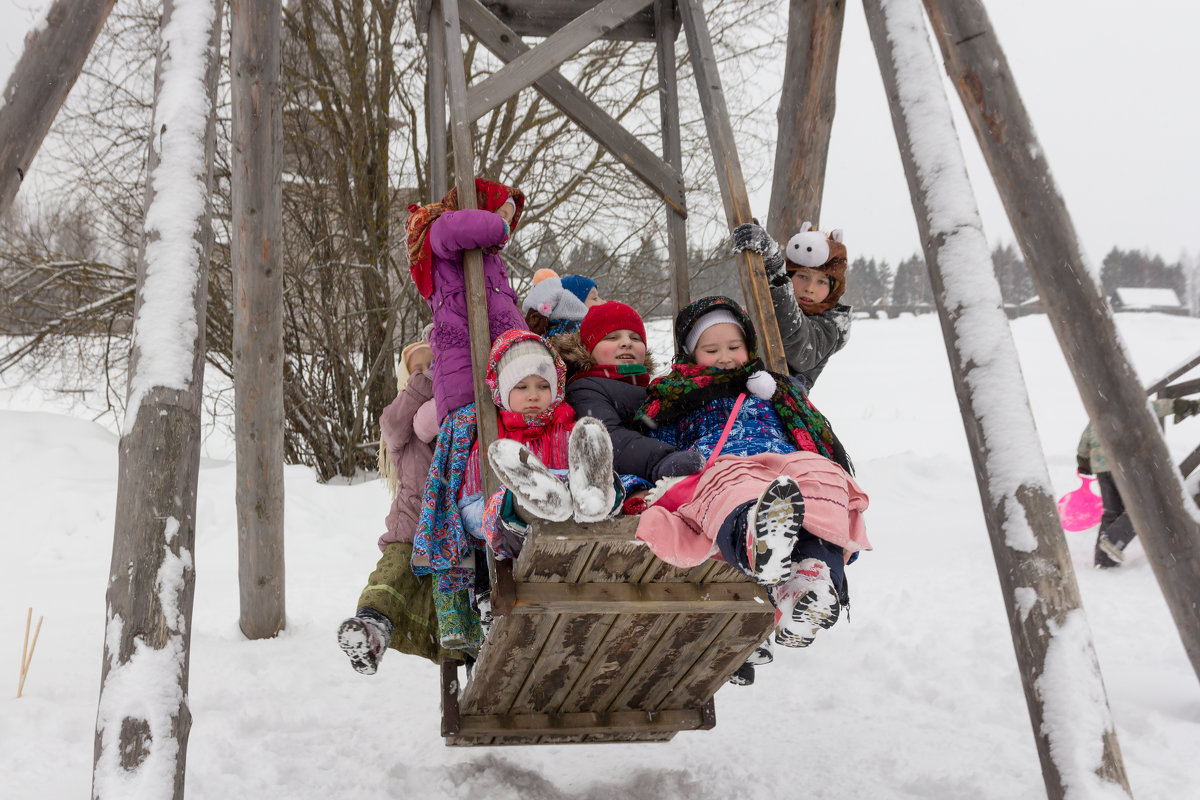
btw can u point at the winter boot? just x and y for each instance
(772, 525)
(763, 654)
(590, 471)
(744, 676)
(805, 604)
(1109, 553)
(483, 604)
(364, 638)
(536, 489)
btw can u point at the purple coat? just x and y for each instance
(411, 456)
(450, 235)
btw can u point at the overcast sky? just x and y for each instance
(1110, 87)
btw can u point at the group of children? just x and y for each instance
(585, 432)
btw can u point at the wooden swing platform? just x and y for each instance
(602, 642)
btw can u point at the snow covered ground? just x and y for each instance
(917, 696)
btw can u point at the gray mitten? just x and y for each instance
(751, 236)
(681, 462)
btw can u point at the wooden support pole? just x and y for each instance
(668, 106)
(258, 357)
(805, 116)
(753, 275)
(1049, 629)
(54, 54)
(464, 176)
(437, 107)
(140, 749)
(1164, 515)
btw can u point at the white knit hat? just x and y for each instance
(522, 359)
(714, 317)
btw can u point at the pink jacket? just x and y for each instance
(411, 454)
(833, 505)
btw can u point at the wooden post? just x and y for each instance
(806, 107)
(258, 313)
(668, 105)
(464, 175)
(437, 105)
(1150, 485)
(1032, 560)
(51, 62)
(152, 576)
(753, 275)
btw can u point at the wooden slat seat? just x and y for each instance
(604, 643)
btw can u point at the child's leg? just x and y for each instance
(758, 536)
(470, 509)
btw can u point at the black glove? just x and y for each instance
(1083, 465)
(1185, 408)
(751, 236)
(681, 462)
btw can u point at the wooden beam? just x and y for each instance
(579, 723)
(451, 719)
(55, 50)
(1173, 374)
(1162, 512)
(257, 210)
(1026, 535)
(566, 42)
(640, 598)
(436, 108)
(805, 116)
(619, 529)
(652, 170)
(477, 301)
(668, 106)
(753, 275)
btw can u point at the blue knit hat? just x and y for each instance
(579, 286)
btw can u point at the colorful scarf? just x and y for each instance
(489, 196)
(440, 535)
(688, 388)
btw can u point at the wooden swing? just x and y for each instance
(595, 639)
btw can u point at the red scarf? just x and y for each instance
(519, 428)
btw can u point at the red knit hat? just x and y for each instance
(604, 318)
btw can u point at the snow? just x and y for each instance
(1145, 298)
(916, 695)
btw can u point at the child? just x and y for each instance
(396, 607)
(526, 378)
(439, 235)
(1116, 528)
(611, 370)
(806, 280)
(550, 308)
(779, 502)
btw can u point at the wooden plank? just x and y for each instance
(624, 598)
(725, 654)
(751, 272)
(477, 301)
(666, 29)
(513, 645)
(565, 655)
(1181, 389)
(1078, 311)
(651, 169)
(672, 655)
(438, 162)
(1174, 373)
(451, 719)
(583, 722)
(565, 43)
(54, 54)
(806, 108)
(544, 17)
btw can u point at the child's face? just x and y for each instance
(620, 347)
(593, 298)
(722, 346)
(811, 286)
(420, 360)
(531, 395)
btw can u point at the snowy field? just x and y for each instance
(916, 696)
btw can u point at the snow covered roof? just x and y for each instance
(1140, 297)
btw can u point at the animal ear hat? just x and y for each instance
(815, 250)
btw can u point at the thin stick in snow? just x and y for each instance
(27, 655)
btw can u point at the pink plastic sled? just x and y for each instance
(1080, 509)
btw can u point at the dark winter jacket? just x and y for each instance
(450, 236)
(808, 339)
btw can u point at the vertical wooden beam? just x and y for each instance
(451, 718)
(1049, 629)
(753, 275)
(49, 66)
(805, 115)
(1164, 515)
(140, 749)
(437, 105)
(258, 312)
(464, 176)
(668, 105)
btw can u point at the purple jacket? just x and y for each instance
(451, 234)
(411, 457)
